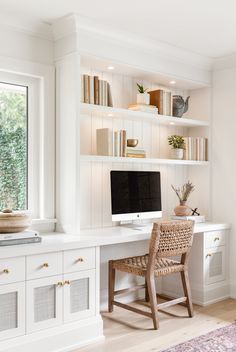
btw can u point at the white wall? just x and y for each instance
(223, 157)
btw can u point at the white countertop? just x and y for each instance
(92, 238)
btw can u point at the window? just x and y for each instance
(27, 140)
(13, 146)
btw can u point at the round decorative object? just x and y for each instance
(132, 142)
(13, 221)
(177, 153)
(143, 98)
(182, 209)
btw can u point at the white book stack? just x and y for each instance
(25, 237)
(111, 143)
(144, 108)
(196, 148)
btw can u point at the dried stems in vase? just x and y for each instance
(184, 193)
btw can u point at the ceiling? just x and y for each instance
(205, 27)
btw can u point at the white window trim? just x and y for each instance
(41, 183)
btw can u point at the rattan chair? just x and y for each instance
(168, 239)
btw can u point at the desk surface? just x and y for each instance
(55, 241)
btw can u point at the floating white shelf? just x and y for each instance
(116, 159)
(140, 116)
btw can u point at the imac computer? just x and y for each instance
(135, 195)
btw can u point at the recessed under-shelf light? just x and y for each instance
(110, 67)
(172, 82)
(172, 123)
(110, 115)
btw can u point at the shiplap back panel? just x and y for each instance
(95, 176)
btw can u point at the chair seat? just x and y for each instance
(138, 265)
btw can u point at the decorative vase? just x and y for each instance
(177, 153)
(182, 209)
(143, 98)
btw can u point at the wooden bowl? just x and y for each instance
(13, 222)
(132, 142)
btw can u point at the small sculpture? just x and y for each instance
(179, 105)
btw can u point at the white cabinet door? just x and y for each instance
(12, 310)
(44, 303)
(79, 295)
(215, 268)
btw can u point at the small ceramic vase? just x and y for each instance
(177, 153)
(143, 98)
(182, 209)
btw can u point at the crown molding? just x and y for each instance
(224, 62)
(76, 24)
(26, 26)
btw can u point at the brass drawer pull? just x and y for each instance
(60, 284)
(6, 271)
(216, 238)
(208, 255)
(80, 260)
(67, 282)
(45, 265)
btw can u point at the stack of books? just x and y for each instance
(95, 91)
(196, 148)
(135, 152)
(144, 108)
(111, 143)
(25, 237)
(162, 99)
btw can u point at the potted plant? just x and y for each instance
(183, 194)
(142, 96)
(178, 145)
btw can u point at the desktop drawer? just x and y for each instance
(43, 265)
(215, 239)
(12, 270)
(79, 259)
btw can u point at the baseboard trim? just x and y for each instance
(63, 338)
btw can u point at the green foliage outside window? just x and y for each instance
(13, 149)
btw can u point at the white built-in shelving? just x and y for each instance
(115, 159)
(141, 116)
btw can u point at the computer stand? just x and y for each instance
(135, 224)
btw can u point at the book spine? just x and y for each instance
(91, 89)
(100, 92)
(124, 143)
(110, 102)
(82, 89)
(105, 93)
(96, 90)
(86, 89)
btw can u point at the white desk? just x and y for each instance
(71, 258)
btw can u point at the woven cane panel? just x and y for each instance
(79, 295)
(216, 265)
(175, 238)
(44, 303)
(8, 311)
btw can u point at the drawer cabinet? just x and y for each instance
(43, 265)
(215, 239)
(12, 310)
(12, 270)
(79, 259)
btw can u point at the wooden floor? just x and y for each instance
(129, 332)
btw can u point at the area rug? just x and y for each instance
(220, 340)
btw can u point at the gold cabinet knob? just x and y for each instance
(6, 271)
(208, 255)
(60, 283)
(45, 265)
(67, 282)
(216, 239)
(80, 259)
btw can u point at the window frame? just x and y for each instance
(41, 137)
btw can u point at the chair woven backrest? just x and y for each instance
(171, 238)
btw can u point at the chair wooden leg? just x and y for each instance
(147, 299)
(187, 292)
(153, 300)
(111, 283)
